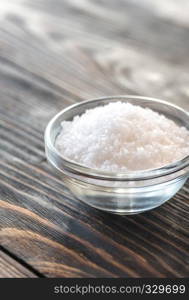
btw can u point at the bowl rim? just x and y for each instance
(83, 170)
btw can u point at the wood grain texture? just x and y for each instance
(10, 268)
(54, 53)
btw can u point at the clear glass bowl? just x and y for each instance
(119, 193)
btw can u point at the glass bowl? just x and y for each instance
(119, 193)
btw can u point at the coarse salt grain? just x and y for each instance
(122, 137)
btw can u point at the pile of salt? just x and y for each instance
(122, 137)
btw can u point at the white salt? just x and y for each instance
(122, 137)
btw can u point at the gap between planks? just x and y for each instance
(13, 267)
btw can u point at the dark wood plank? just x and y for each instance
(10, 268)
(74, 240)
(55, 53)
(130, 49)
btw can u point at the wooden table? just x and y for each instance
(57, 52)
